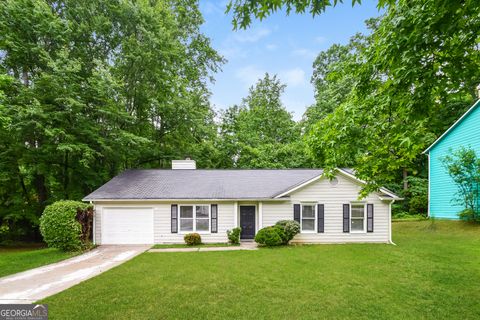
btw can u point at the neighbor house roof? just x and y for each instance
(239, 184)
(475, 105)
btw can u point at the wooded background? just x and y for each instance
(91, 88)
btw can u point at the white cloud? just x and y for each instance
(239, 44)
(249, 75)
(213, 8)
(304, 53)
(293, 77)
(252, 35)
(231, 52)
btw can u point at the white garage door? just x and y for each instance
(127, 226)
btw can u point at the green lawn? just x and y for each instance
(13, 260)
(182, 245)
(433, 273)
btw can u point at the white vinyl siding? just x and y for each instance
(275, 211)
(333, 197)
(162, 222)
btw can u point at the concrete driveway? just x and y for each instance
(39, 283)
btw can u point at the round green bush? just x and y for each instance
(234, 235)
(59, 227)
(290, 228)
(270, 236)
(192, 239)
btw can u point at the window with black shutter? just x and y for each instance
(346, 217)
(370, 217)
(321, 218)
(296, 212)
(174, 218)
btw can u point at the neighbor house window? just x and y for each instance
(308, 217)
(195, 218)
(357, 217)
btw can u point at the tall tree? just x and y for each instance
(261, 133)
(91, 88)
(417, 72)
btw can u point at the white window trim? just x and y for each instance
(195, 218)
(364, 217)
(315, 223)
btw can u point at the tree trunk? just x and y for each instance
(25, 77)
(39, 182)
(24, 187)
(405, 182)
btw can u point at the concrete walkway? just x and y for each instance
(242, 246)
(39, 283)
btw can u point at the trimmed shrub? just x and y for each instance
(290, 228)
(59, 226)
(234, 235)
(270, 236)
(192, 239)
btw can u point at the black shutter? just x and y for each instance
(296, 212)
(214, 216)
(369, 217)
(174, 218)
(346, 217)
(321, 218)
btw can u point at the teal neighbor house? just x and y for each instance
(465, 132)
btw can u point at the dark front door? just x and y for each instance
(247, 222)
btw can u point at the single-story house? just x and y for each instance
(161, 206)
(465, 132)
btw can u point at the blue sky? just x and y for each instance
(282, 45)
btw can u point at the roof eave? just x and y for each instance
(298, 186)
(452, 126)
(383, 190)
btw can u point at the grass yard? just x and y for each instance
(13, 260)
(182, 245)
(432, 273)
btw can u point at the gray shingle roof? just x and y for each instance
(202, 184)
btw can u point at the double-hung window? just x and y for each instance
(308, 217)
(357, 217)
(194, 218)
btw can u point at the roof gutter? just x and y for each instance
(184, 199)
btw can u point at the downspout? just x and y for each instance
(94, 214)
(390, 222)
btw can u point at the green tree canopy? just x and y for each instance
(409, 80)
(89, 88)
(261, 133)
